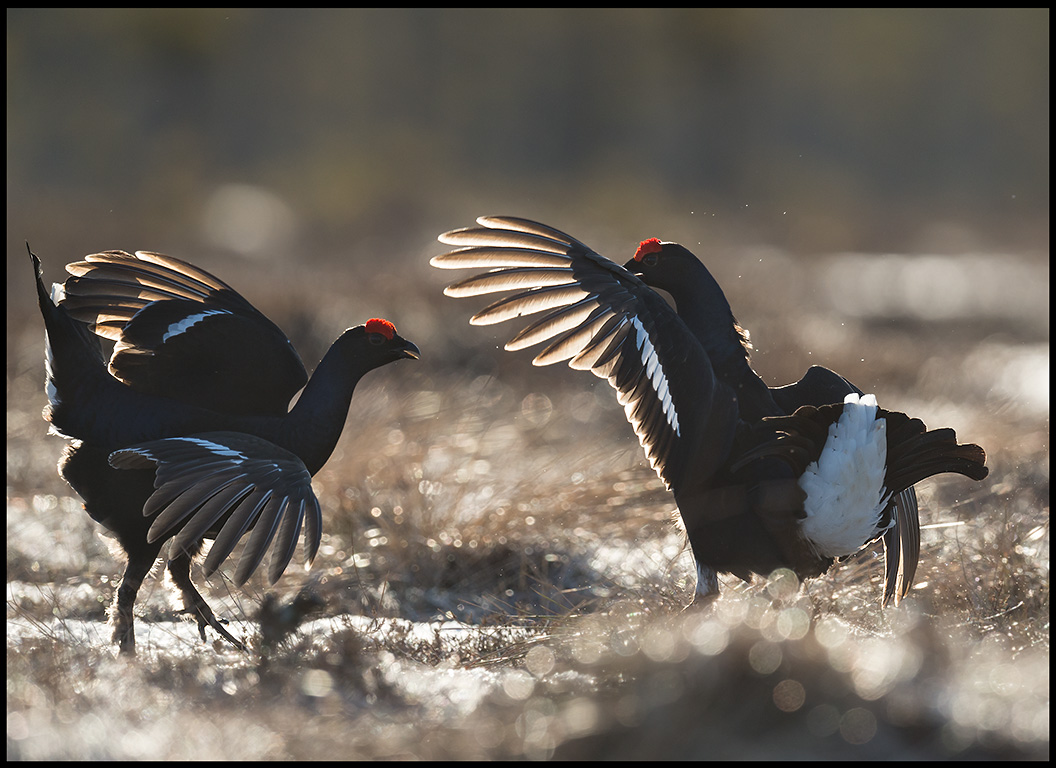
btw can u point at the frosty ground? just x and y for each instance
(500, 576)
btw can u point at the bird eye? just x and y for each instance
(376, 338)
(650, 259)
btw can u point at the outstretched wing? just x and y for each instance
(222, 484)
(597, 316)
(183, 333)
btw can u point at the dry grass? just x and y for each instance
(499, 578)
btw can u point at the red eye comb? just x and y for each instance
(652, 245)
(384, 327)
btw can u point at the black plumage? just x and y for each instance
(186, 433)
(702, 305)
(750, 466)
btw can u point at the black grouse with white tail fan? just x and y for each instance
(764, 478)
(189, 434)
(704, 309)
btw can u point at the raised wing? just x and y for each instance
(597, 316)
(183, 333)
(221, 485)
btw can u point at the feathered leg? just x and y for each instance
(194, 603)
(139, 565)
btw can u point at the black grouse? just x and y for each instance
(794, 477)
(703, 307)
(189, 434)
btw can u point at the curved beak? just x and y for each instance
(632, 266)
(409, 350)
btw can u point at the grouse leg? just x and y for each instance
(139, 565)
(194, 603)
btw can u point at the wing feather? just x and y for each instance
(599, 317)
(222, 485)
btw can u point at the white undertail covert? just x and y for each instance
(845, 486)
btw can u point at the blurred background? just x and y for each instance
(849, 176)
(869, 187)
(310, 132)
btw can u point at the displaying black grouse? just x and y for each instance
(189, 435)
(792, 477)
(705, 310)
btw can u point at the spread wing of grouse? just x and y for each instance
(183, 333)
(222, 484)
(597, 316)
(187, 435)
(798, 477)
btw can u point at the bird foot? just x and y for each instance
(203, 614)
(124, 636)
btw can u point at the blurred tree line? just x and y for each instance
(832, 128)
